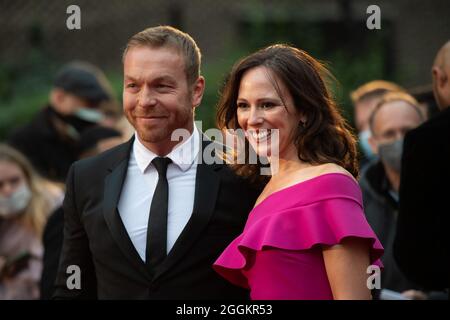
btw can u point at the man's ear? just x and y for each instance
(373, 144)
(56, 96)
(198, 89)
(439, 77)
(58, 99)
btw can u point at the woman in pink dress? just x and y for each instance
(307, 236)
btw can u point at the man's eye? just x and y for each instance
(131, 85)
(163, 86)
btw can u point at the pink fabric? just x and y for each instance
(278, 255)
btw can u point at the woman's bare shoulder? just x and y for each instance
(333, 168)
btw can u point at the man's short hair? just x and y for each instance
(167, 36)
(395, 96)
(373, 89)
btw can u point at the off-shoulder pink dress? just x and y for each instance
(279, 253)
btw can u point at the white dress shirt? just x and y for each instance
(140, 185)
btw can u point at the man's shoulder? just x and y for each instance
(435, 127)
(371, 180)
(37, 127)
(106, 159)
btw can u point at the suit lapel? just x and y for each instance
(112, 190)
(207, 184)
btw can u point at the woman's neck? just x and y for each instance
(285, 165)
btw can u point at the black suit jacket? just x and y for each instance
(421, 246)
(52, 239)
(96, 240)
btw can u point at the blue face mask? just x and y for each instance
(364, 144)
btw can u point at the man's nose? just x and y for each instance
(399, 135)
(146, 98)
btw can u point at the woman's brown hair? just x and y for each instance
(325, 136)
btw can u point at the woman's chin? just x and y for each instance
(262, 150)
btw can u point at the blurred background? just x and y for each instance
(54, 123)
(35, 42)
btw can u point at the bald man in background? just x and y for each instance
(364, 99)
(421, 246)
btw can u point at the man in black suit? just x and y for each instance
(147, 219)
(421, 246)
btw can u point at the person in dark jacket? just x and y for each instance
(421, 245)
(394, 115)
(364, 100)
(93, 141)
(49, 140)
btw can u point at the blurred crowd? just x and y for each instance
(405, 150)
(82, 118)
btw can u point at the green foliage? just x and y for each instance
(215, 73)
(24, 86)
(353, 54)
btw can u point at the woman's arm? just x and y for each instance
(346, 265)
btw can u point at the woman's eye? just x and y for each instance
(14, 181)
(267, 105)
(242, 105)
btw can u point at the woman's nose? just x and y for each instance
(256, 117)
(7, 189)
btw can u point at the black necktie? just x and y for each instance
(156, 249)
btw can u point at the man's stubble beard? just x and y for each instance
(158, 134)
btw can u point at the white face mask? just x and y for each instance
(16, 202)
(90, 115)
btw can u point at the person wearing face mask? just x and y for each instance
(25, 203)
(81, 97)
(394, 115)
(421, 247)
(364, 100)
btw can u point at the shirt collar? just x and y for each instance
(183, 155)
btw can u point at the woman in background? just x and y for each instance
(25, 203)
